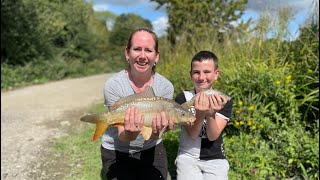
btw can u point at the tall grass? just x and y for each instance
(273, 132)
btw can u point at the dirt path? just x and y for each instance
(32, 117)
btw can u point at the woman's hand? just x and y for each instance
(133, 123)
(160, 123)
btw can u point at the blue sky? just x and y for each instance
(159, 19)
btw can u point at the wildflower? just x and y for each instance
(236, 123)
(238, 111)
(277, 82)
(240, 103)
(288, 79)
(253, 127)
(254, 141)
(260, 126)
(249, 122)
(251, 108)
(241, 122)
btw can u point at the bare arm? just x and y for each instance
(201, 105)
(215, 126)
(215, 123)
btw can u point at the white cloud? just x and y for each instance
(273, 6)
(100, 7)
(160, 25)
(123, 3)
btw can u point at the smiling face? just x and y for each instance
(142, 52)
(203, 74)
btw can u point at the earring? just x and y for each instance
(128, 61)
(155, 64)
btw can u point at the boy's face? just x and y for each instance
(203, 74)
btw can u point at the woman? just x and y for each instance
(125, 154)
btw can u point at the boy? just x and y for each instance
(200, 154)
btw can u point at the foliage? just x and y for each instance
(44, 29)
(38, 72)
(273, 132)
(123, 26)
(201, 19)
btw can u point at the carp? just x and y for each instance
(147, 104)
(208, 92)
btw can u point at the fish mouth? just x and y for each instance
(191, 122)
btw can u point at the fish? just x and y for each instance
(208, 92)
(148, 104)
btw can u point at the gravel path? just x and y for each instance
(32, 117)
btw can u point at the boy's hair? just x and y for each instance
(205, 55)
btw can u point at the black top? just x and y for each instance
(209, 149)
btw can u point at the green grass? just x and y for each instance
(80, 149)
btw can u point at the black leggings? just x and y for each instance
(150, 164)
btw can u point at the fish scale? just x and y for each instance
(147, 104)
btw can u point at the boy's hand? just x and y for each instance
(217, 102)
(201, 105)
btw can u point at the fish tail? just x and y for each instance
(97, 119)
(90, 118)
(100, 129)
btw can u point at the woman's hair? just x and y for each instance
(205, 55)
(155, 37)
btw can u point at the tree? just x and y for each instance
(44, 29)
(123, 26)
(201, 19)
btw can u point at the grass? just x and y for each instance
(81, 150)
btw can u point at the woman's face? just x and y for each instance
(142, 54)
(203, 74)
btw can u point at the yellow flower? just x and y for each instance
(277, 82)
(254, 127)
(251, 108)
(260, 126)
(254, 141)
(288, 79)
(236, 123)
(238, 111)
(249, 122)
(240, 103)
(241, 122)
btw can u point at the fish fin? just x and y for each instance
(100, 129)
(187, 105)
(90, 118)
(147, 93)
(146, 132)
(162, 131)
